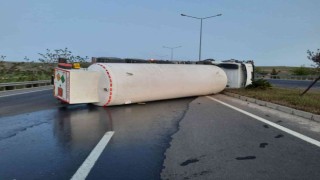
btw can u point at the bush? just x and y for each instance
(259, 84)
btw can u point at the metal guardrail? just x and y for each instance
(20, 85)
(286, 77)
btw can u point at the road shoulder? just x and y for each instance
(288, 110)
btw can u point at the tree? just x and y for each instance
(2, 67)
(51, 57)
(315, 58)
(274, 72)
(2, 57)
(26, 59)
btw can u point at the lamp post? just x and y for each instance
(172, 48)
(200, 28)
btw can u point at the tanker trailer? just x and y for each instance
(108, 84)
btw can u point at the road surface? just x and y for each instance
(301, 84)
(188, 138)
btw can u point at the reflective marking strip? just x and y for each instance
(88, 164)
(25, 92)
(289, 131)
(110, 84)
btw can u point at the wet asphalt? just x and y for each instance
(188, 138)
(49, 140)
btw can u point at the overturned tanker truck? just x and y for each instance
(109, 84)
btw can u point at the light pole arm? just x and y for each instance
(212, 16)
(190, 16)
(200, 17)
(201, 28)
(176, 47)
(171, 48)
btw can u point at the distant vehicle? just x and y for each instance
(240, 73)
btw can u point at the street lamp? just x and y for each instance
(200, 28)
(172, 48)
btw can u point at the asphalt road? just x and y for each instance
(301, 84)
(188, 138)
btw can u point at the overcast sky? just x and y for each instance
(273, 32)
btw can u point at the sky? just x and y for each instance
(272, 33)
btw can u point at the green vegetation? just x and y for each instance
(287, 97)
(259, 84)
(260, 70)
(274, 72)
(40, 70)
(315, 58)
(261, 89)
(51, 57)
(302, 71)
(279, 69)
(22, 71)
(285, 70)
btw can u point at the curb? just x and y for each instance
(288, 110)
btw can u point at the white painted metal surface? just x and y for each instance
(107, 84)
(239, 74)
(131, 83)
(76, 86)
(249, 71)
(234, 74)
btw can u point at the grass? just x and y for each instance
(309, 102)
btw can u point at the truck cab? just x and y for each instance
(239, 73)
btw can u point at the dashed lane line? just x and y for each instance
(289, 131)
(88, 164)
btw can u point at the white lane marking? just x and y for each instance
(87, 165)
(24, 92)
(289, 131)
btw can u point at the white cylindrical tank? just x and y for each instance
(122, 83)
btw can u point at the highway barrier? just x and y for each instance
(21, 85)
(287, 77)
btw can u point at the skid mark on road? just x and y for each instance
(289, 131)
(265, 126)
(195, 175)
(189, 161)
(246, 158)
(19, 130)
(263, 145)
(279, 136)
